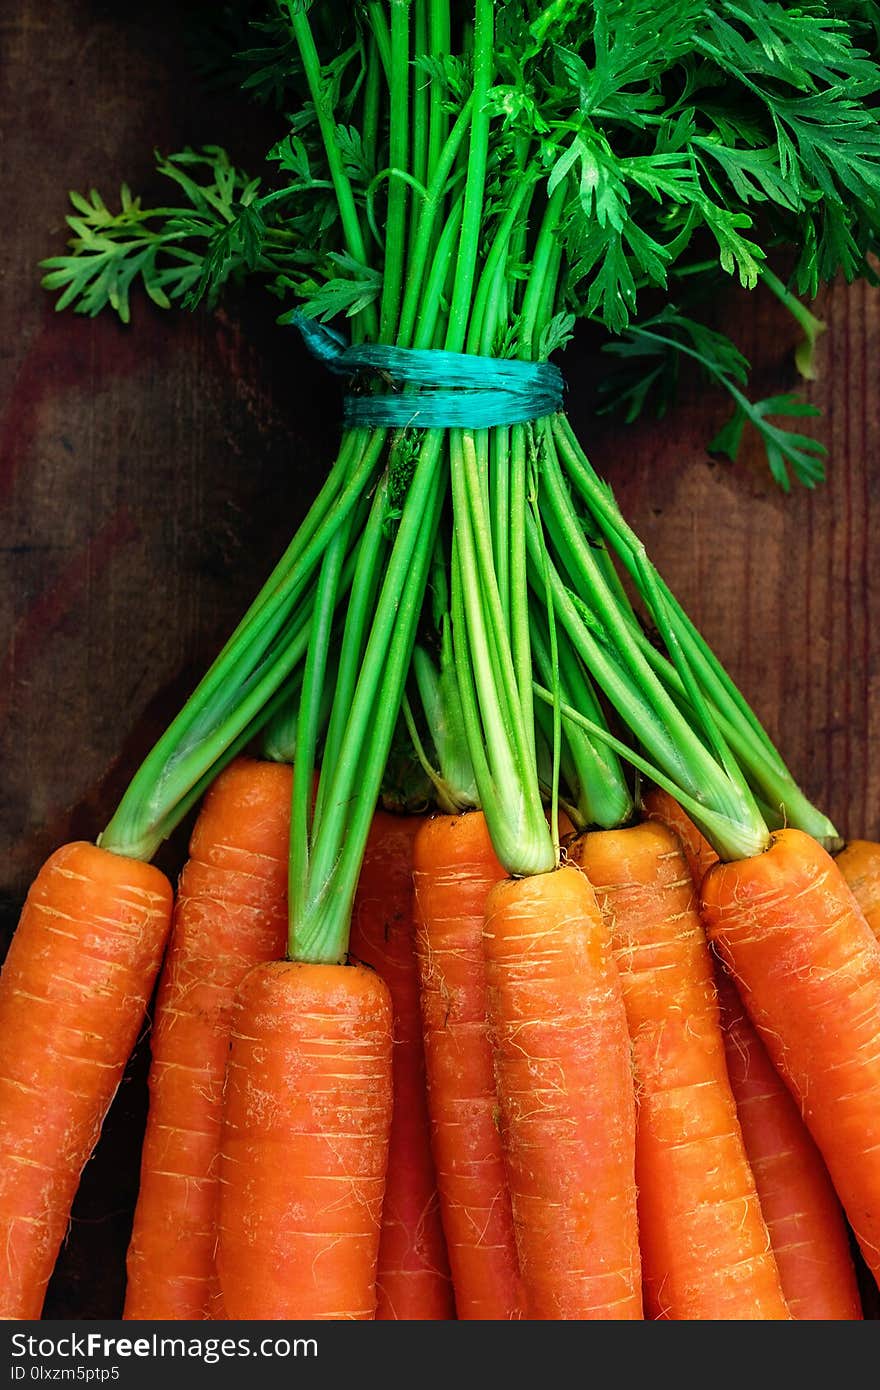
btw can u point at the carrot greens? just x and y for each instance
(449, 195)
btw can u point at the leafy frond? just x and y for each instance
(649, 356)
(181, 252)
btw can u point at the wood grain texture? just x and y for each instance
(150, 476)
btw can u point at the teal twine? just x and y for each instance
(453, 389)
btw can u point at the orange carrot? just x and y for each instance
(413, 1272)
(705, 1249)
(73, 994)
(807, 966)
(566, 1099)
(454, 868)
(662, 807)
(807, 1230)
(304, 1145)
(859, 862)
(231, 912)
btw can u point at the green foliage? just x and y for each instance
(347, 289)
(752, 121)
(649, 354)
(183, 252)
(697, 138)
(785, 449)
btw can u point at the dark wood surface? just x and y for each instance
(150, 476)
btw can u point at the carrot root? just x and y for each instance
(705, 1248)
(304, 1147)
(455, 867)
(230, 913)
(73, 994)
(807, 1229)
(566, 1098)
(859, 862)
(807, 967)
(413, 1278)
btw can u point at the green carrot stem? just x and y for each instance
(618, 622)
(371, 560)
(357, 447)
(399, 143)
(309, 718)
(426, 224)
(254, 659)
(181, 809)
(545, 257)
(441, 702)
(209, 723)
(321, 932)
(421, 97)
(725, 706)
(626, 544)
(478, 155)
(643, 705)
(444, 796)
(379, 25)
(500, 516)
(429, 320)
(781, 800)
(551, 663)
(153, 802)
(599, 787)
(731, 838)
(318, 90)
(372, 105)
(812, 326)
(521, 646)
(506, 776)
(592, 587)
(440, 43)
(486, 318)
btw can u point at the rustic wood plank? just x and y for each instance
(150, 476)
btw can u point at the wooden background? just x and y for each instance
(150, 476)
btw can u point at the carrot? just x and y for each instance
(454, 868)
(304, 1146)
(566, 1099)
(807, 966)
(660, 806)
(73, 993)
(231, 912)
(705, 1248)
(413, 1271)
(859, 862)
(807, 1230)
(806, 1225)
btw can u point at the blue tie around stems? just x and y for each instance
(452, 389)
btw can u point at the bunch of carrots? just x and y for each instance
(571, 1113)
(595, 1036)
